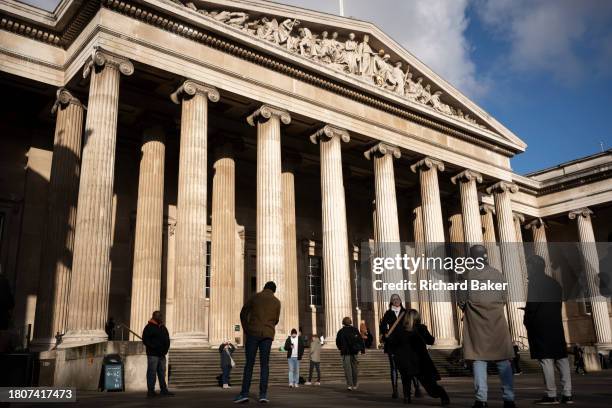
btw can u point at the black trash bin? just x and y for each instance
(112, 373)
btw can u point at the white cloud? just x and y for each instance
(565, 38)
(432, 30)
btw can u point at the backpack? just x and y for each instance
(355, 342)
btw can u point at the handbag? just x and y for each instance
(232, 362)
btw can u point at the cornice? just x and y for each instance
(163, 20)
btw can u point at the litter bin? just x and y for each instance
(112, 373)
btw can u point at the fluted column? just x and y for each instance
(519, 220)
(510, 259)
(472, 227)
(387, 232)
(599, 304)
(147, 270)
(223, 246)
(90, 278)
(540, 245)
(56, 262)
(291, 307)
(421, 274)
(433, 229)
(270, 237)
(191, 214)
(336, 272)
(488, 235)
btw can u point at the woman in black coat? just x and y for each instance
(409, 343)
(396, 309)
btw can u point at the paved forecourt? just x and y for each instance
(592, 390)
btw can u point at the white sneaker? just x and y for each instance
(355, 387)
(307, 383)
(317, 383)
(226, 386)
(350, 388)
(296, 385)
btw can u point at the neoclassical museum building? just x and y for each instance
(176, 155)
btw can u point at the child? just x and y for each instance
(315, 359)
(226, 349)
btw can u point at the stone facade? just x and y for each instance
(222, 147)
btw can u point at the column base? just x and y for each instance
(44, 344)
(603, 346)
(78, 338)
(189, 340)
(445, 344)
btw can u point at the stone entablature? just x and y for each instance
(348, 55)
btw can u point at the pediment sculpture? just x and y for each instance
(347, 55)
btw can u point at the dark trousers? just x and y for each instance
(431, 385)
(314, 365)
(250, 349)
(225, 376)
(156, 366)
(393, 368)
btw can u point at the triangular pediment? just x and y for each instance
(356, 50)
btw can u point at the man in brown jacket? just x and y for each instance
(259, 317)
(486, 336)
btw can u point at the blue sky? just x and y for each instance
(543, 68)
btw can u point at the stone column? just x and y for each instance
(90, 278)
(540, 245)
(223, 245)
(387, 232)
(433, 228)
(191, 214)
(336, 272)
(519, 220)
(488, 235)
(290, 309)
(147, 270)
(421, 274)
(599, 304)
(56, 262)
(269, 234)
(472, 227)
(510, 259)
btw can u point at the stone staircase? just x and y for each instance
(193, 368)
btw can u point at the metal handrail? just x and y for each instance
(128, 329)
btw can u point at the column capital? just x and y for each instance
(518, 216)
(382, 149)
(487, 208)
(100, 58)
(502, 187)
(190, 88)
(580, 212)
(466, 176)
(429, 163)
(328, 132)
(536, 223)
(265, 112)
(63, 98)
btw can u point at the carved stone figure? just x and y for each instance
(350, 54)
(365, 62)
(347, 56)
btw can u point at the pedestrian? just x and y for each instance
(157, 342)
(315, 360)
(350, 344)
(396, 311)
(295, 350)
(259, 317)
(486, 335)
(109, 328)
(367, 337)
(579, 364)
(545, 331)
(226, 349)
(409, 341)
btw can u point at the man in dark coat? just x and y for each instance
(545, 330)
(350, 343)
(259, 317)
(157, 342)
